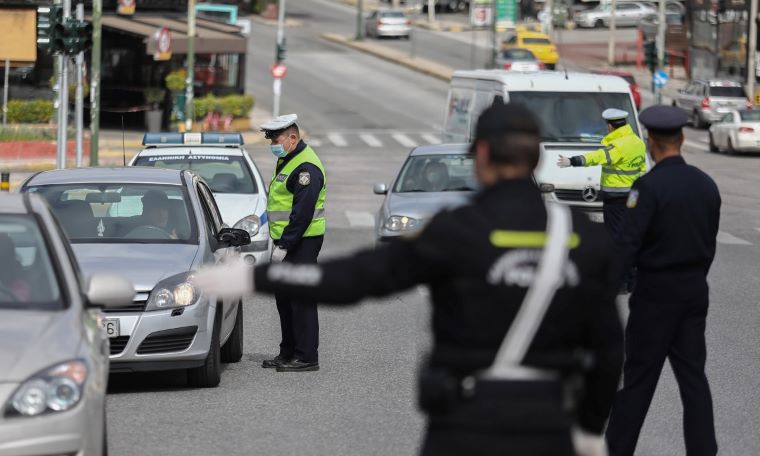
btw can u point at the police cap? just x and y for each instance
(614, 114)
(663, 120)
(274, 127)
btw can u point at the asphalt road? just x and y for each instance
(363, 115)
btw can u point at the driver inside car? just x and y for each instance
(12, 273)
(156, 212)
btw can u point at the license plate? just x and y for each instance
(111, 326)
(597, 217)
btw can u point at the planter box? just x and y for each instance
(39, 150)
(239, 124)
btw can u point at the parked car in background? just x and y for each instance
(384, 23)
(707, 101)
(650, 24)
(53, 349)
(736, 131)
(536, 42)
(626, 14)
(629, 79)
(518, 59)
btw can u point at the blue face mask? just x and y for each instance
(278, 150)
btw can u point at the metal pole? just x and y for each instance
(359, 21)
(752, 50)
(431, 11)
(550, 24)
(494, 50)
(5, 91)
(63, 96)
(613, 24)
(277, 84)
(189, 89)
(97, 38)
(660, 47)
(79, 96)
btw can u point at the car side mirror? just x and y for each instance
(233, 237)
(380, 189)
(108, 290)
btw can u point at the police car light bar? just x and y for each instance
(206, 139)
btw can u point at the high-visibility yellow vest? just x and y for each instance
(623, 160)
(280, 203)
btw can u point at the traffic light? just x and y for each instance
(650, 55)
(280, 52)
(50, 28)
(77, 36)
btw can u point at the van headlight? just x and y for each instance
(400, 223)
(251, 223)
(56, 389)
(175, 291)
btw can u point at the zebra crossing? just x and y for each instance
(374, 139)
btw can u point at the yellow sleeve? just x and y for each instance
(601, 156)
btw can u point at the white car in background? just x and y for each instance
(231, 174)
(737, 131)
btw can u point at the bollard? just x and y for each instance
(5, 182)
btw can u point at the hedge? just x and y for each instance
(229, 105)
(30, 111)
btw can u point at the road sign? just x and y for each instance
(279, 71)
(660, 78)
(126, 7)
(481, 13)
(163, 37)
(506, 12)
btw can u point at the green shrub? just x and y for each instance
(229, 105)
(154, 97)
(26, 134)
(175, 80)
(30, 111)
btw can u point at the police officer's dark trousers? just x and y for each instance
(614, 211)
(665, 322)
(298, 317)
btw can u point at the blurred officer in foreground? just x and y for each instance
(669, 234)
(488, 270)
(296, 214)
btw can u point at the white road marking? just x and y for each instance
(432, 139)
(726, 238)
(360, 219)
(337, 140)
(403, 139)
(371, 140)
(315, 142)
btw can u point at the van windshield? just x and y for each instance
(573, 116)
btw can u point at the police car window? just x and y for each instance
(27, 278)
(573, 116)
(224, 173)
(436, 173)
(121, 213)
(210, 205)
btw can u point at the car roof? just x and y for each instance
(547, 81)
(190, 150)
(135, 174)
(12, 203)
(440, 149)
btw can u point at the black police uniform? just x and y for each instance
(455, 255)
(298, 317)
(669, 234)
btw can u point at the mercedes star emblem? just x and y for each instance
(589, 194)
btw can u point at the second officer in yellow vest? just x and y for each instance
(296, 217)
(623, 160)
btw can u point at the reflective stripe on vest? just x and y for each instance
(280, 202)
(628, 152)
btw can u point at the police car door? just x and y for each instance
(214, 223)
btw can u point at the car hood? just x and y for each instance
(142, 264)
(235, 206)
(422, 206)
(34, 340)
(572, 178)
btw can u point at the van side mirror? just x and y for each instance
(380, 189)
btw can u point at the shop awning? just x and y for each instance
(211, 38)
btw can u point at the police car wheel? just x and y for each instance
(210, 373)
(599, 23)
(713, 147)
(232, 351)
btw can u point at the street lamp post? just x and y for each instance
(359, 20)
(660, 47)
(613, 26)
(189, 89)
(277, 84)
(97, 34)
(752, 50)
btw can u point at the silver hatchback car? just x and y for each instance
(53, 352)
(155, 227)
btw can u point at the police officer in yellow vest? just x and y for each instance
(296, 216)
(623, 160)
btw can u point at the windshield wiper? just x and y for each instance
(460, 189)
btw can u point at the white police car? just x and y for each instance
(228, 170)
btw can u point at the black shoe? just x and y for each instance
(277, 361)
(296, 365)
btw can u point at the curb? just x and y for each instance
(441, 26)
(424, 66)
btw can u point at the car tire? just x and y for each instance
(599, 23)
(696, 121)
(551, 66)
(232, 351)
(713, 147)
(210, 373)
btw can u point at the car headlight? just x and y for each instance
(56, 389)
(251, 223)
(175, 291)
(400, 223)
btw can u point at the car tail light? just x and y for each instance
(746, 130)
(748, 104)
(541, 65)
(507, 66)
(705, 103)
(408, 22)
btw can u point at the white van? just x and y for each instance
(569, 109)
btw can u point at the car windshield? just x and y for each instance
(393, 14)
(518, 54)
(122, 213)
(750, 116)
(727, 91)
(573, 116)
(536, 41)
(223, 173)
(436, 173)
(27, 280)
